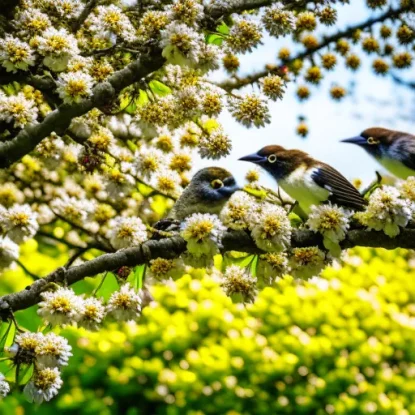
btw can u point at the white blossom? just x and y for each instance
(126, 232)
(270, 228)
(18, 109)
(167, 181)
(118, 124)
(73, 209)
(407, 188)
(74, 86)
(15, 54)
(386, 211)
(277, 21)
(331, 221)
(235, 214)
(68, 9)
(186, 11)
(4, 386)
(62, 306)
(32, 22)
(250, 110)
(19, 223)
(203, 233)
(149, 161)
(9, 252)
(271, 266)
(53, 351)
(306, 262)
(25, 345)
(44, 385)
(118, 185)
(92, 315)
(181, 44)
(110, 21)
(238, 280)
(125, 304)
(57, 46)
(215, 145)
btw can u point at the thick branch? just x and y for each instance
(235, 83)
(175, 246)
(59, 120)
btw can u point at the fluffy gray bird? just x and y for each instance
(394, 150)
(207, 192)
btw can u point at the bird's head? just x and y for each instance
(278, 161)
(375, 140)
(213, 184)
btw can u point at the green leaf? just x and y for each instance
(214, 39)
(142, 98)
(254, 264)
(7, 333)
(223, 28)
(108, 285)
(159, 88)
(133, 147)
(137, 277)
(295, 220)
(260, 194)
(125, 99)
(11, 335)
(243, 261)
(24, 374)
(131, 108)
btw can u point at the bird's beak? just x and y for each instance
(254, 158)
(358, 140)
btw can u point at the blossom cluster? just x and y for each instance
(48, 353)
(64, 307)
(387, 210)
(17, 224)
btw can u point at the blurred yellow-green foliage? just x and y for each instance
(344, 344)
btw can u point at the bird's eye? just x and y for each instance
(372, 140)
(272, 158)
(216, 184)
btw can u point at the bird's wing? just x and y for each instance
(342, 192)
(404, 150)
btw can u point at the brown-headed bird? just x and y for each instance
(308, 181)
(394, 150)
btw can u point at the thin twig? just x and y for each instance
(23, 267)
(233, 83)
(84, 15)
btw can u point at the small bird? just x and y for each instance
(394, 150)
(207, 192)
(308, 181)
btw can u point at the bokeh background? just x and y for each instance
(339, 344)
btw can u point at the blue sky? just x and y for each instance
(376, 101)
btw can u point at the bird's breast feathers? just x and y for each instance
(396, 167)
(301, 187)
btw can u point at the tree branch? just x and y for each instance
(403, 82)
(59, 120)
(235, 83)
(220, 9)
(84, 15)
(175, 246)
